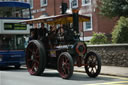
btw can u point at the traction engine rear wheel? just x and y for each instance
(92, 64)
(65, 65)
(35, 57)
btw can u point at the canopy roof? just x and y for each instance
(59, 19)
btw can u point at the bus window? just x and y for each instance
(12, 42)
(15, 10)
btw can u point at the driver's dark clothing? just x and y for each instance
(42, 33)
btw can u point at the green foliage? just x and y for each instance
(120, 32)
(98, 38)
(112, 8)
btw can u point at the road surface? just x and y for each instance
(11, 76)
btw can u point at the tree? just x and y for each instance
(120, 32)
(113, 8)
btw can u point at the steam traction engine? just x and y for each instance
(61, 49)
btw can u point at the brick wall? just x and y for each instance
(100, 23)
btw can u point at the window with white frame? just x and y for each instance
(73, 3)
(31, 3)
(87, 26)
(44, 2)
(86, 2)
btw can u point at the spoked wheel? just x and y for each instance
(65, 65)
(35, 57)
(92, 64)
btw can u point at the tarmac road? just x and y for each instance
(11, 76)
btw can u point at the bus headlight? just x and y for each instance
(1, 56)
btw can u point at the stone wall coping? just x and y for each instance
(108, 45)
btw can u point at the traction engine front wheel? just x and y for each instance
(92, 64)
(35, 57)
(65, 65)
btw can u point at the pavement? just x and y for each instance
(109, 70)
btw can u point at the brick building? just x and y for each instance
(98, 23)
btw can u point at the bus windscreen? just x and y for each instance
(14, 13)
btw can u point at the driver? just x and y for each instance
(43, 32)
